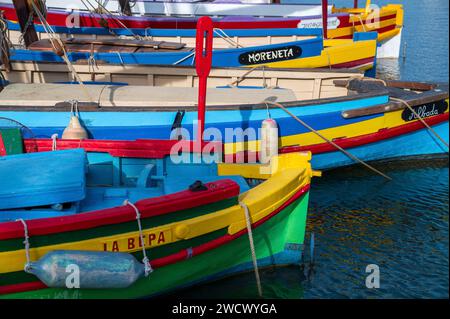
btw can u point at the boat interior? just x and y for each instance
(221, 41)
(66, 182)
(259, 83)
(104, 97)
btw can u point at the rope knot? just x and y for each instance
(147, 267)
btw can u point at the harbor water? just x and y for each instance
(359, 219)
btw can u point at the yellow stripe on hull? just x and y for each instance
(363, 14)
(388, 120)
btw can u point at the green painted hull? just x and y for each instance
(278, 241)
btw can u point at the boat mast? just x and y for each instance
(125, 7)
(25, 17)
(325, 18)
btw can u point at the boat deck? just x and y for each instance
(49, 95)
(111, 45)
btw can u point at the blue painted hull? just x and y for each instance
(138, 125)
(419, 143)
(234, 57)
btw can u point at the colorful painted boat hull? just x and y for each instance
(374, 135)
(359, 53)
(342, 24)
(278, 242)
(189, 236)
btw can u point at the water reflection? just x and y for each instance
(389, 69)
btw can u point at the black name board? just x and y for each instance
(425, 110)
(273, 55)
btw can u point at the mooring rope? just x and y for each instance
(404, 102)
(185, 58)
(147, 267)
(329, 141)
(221, 33)
(26, 242)
(111, 15)
(420, 119)
(242, 77)
(252, 247)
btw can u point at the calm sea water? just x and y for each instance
(359, 219)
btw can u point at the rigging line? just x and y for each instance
(103, 12)
(53, 36)
(113, 16)
(328, 140)
(420, 119)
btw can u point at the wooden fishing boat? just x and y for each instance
(341, 23)
(358, 53)
(304, 83)
(363, 116)
(190, 215)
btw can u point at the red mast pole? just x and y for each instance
(203, 60)
(325, 18)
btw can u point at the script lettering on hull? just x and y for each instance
(425, 110)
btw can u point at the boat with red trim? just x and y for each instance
(170, 21)
(106, 205)
(370, 118)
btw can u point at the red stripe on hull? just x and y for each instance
(102, 21)
(140, 148)
(379, 31)
(354, 64)
(382, 134)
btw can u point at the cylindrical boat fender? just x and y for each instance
(269, 140)
(87, 269)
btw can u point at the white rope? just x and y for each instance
(360, 20)
(353, 157)
(120, 58)
(242, 77)
(362, 24)
(92, 65)
(54, 138)
(221, 33)
(420, 119)
(147, 267)
(252, 247)
(185, 58)
(404, 102)
(27, 267)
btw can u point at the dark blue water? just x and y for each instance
(359, 219)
